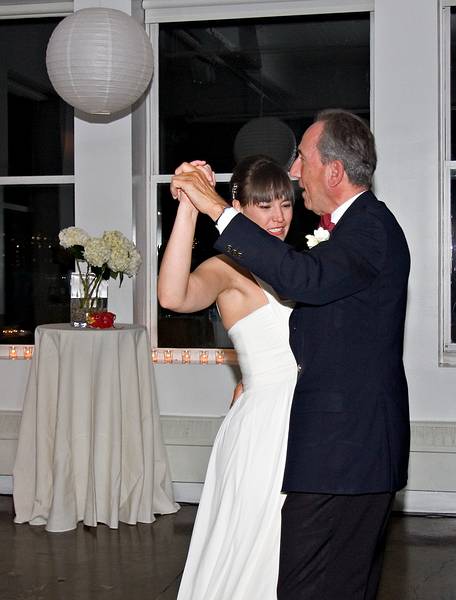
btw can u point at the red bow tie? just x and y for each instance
(326, 223)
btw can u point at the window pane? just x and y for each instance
(453, 257)
(453, 83)
(217, 76)
(205, 329)
(36, 125)
(198, 330)
(33, 266)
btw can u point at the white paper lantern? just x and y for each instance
(99, 60)
(266, 135)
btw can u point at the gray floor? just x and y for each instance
(144, 562)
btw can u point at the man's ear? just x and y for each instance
(335, 172)
(237, 206)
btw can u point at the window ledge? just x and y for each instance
(194, 356)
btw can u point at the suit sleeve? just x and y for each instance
(344, 265)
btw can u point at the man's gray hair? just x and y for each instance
(346, 137)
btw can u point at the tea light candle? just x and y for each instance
(12, 352)
(155, 355)
(168, 356)
(28, 352)
(204, 357)
(186, 357)
(219, 357)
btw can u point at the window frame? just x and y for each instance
(158, 12)
(447, 348)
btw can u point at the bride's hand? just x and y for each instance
(238, 390)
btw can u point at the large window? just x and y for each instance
(448, 220)
(216, 77)
(36, 183)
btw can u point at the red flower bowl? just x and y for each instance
(101, 320)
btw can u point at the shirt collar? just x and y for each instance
(340, 210)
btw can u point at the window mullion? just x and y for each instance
(37, 180)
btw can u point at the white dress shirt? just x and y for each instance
(337, 214)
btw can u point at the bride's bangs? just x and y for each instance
(259, 179)
(273, 186)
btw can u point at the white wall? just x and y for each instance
(406, 125)
(103, 175)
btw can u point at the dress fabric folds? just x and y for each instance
(234, 551)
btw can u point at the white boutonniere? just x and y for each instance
(319, 235)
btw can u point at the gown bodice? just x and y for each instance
(261, 340)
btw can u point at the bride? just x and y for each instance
(234, 550)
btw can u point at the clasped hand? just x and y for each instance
(197, 181)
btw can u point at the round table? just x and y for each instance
(90, 446)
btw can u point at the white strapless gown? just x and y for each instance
(234, 550)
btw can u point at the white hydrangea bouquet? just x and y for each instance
(100, 258)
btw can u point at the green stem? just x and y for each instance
(90, 286)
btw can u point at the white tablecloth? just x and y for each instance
(90, 445)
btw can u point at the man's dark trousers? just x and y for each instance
(334, 546)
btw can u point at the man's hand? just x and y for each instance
(202, 166)
(205, 168)
(196, 181)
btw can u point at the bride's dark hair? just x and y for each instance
(257, 179)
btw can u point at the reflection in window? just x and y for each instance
(37, 130)
(204, 328)
(36, 268)
(453, 257)
(452, 172)
(215, 77)
(38, 139)
(452, 151)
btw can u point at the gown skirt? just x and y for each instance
(234, 550)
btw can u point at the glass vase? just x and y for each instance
(87, 296)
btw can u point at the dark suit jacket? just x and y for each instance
(349, 425)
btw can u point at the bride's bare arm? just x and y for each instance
(178, 289)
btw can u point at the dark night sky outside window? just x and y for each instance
(453, 175)
(37, 140)
(214, 77)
